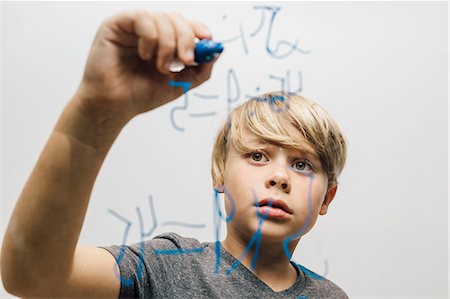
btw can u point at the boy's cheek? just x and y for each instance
(319, 190)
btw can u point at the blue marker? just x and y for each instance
(205, 51)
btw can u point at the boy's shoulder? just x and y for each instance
(175, 241)
(317, 286)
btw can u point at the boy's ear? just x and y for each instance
(328, 199)
(218, 188)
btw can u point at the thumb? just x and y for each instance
(196, 75)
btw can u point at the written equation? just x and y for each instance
(236, 87)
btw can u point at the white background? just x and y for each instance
(380, 68)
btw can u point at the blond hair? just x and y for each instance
(279, 118)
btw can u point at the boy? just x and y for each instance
(277, 161)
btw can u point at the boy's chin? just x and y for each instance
(274, 235)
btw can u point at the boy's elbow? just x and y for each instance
(13, 268)
(7, 271)
(23, 286)
(14, 282)
(21, 289)
(21, 279)
(10, 286)
(10, 280)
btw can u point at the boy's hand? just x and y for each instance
(127, 71)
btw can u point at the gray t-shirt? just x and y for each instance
(171, 266)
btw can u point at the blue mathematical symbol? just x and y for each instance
(143, 235)
(233, 95)
(233, 92)
(129, 281)
(240, 35)
(256, 238)
(231, 81)
(276, 51)
(219, 215)
(273, 100)
(281, 48)
(285, 82)
(186, 86)
(304, 228)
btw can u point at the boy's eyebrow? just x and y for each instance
(304, 151)
(308, 152)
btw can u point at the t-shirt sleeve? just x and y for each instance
(142, 268)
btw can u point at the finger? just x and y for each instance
(201, 31)
(184, 38)
(122, 28)
(166, 42)
(147, 32)
(123, 21)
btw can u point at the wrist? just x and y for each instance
(95, 127)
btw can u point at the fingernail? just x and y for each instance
(143, 54)
(189, 55)
(206, 31)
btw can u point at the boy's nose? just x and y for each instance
(279, 180)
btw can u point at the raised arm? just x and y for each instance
(126, 74)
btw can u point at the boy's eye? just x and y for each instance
(302, 166)
(256, 156)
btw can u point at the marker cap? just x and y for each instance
(205, 51)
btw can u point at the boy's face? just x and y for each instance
(285, 185)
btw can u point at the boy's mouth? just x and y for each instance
(274, 208)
